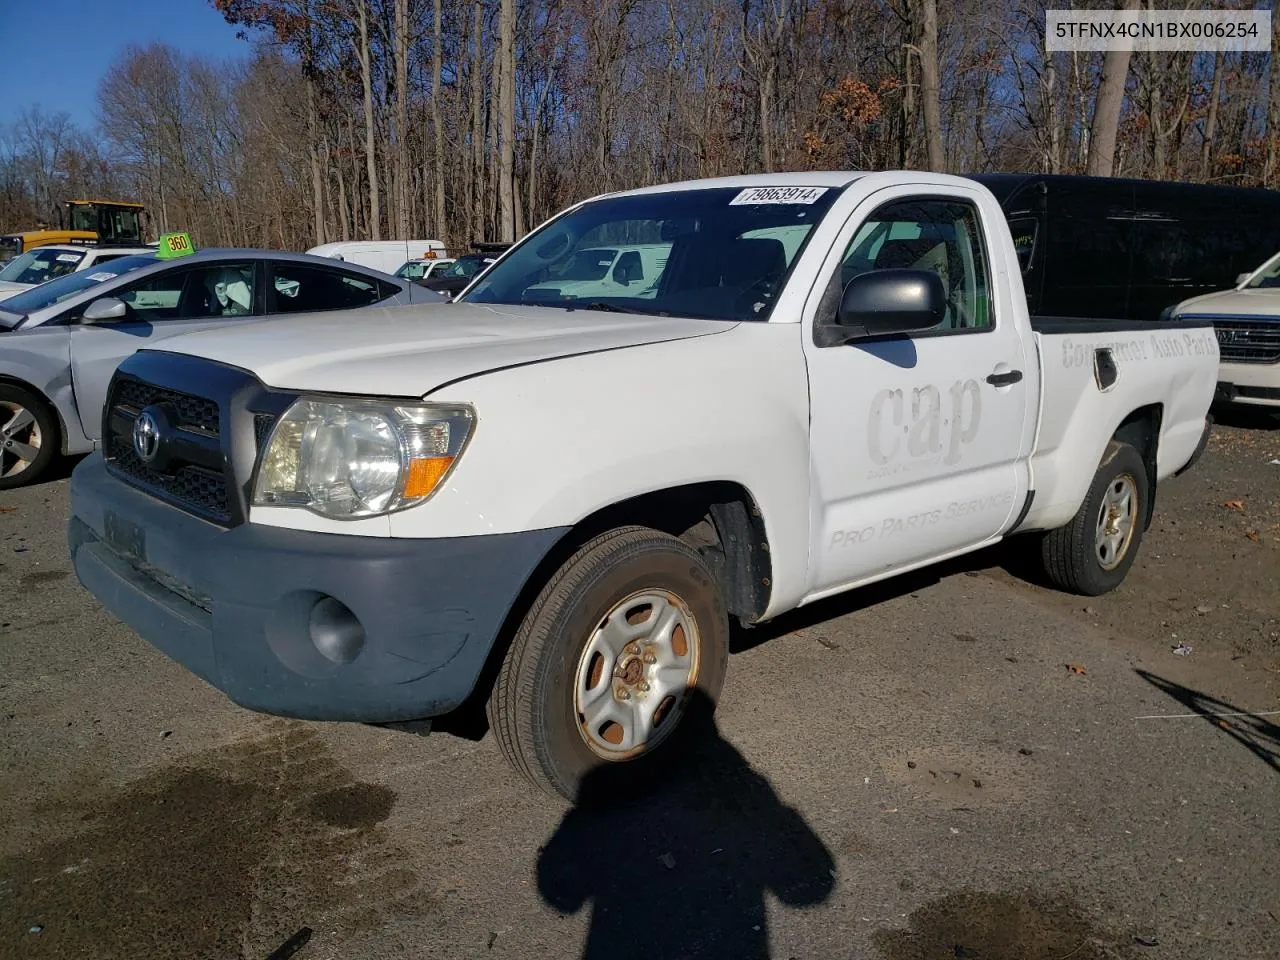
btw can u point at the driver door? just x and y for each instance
(166, 304)
(919, 442)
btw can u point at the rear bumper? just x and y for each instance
(238, 607)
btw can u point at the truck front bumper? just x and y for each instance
(1250, 384)
(311, 625)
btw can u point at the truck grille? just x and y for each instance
(1248, 340)
(192, 478)
(193, 413)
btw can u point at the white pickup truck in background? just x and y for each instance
(555, 505)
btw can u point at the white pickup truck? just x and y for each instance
(555, 507)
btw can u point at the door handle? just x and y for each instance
(1004, 379)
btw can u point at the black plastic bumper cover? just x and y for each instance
(234, 606)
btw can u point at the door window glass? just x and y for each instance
(943, 236)
(299, 288)
(191, 293)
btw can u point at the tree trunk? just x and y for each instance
(1053, 114)
(766, 116)
(1107, 107)
(930, 87)
(438, 124)
(344, 217)
(317, 174)
(1273, 104)
(371, 157)
(506, 122)
(1211, 119)
(401, 175)
(475, 171)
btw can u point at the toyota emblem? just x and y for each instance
(146, 436)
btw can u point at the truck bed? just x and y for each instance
(1099, 374)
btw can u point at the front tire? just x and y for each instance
(619, 660)
(1092, 554)
(28, 437)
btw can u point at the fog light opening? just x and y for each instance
(336, 632)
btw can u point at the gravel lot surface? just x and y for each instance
(958, 764)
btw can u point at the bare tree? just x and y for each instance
(366, 83)
(507, 121)
(930, 85)
(1106, 110)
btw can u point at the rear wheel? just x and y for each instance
(618, 661)
(1092, 554)
(28, 437)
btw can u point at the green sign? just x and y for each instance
(175, 245)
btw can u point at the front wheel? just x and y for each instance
(619, 659)
(1092, 554)
(28, 437)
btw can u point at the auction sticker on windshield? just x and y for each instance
(778, 195)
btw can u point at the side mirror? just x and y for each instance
(884, 303)
(107, 308)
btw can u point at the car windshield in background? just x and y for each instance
(468, 265)
(40, 265)
(1267, 276)
(720, 253)
(55, 291)
(412, 270)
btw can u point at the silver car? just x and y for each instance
(61, 341)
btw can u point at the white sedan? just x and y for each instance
(45, 263)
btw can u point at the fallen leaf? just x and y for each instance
(1234, 504)
(1077, 668)
(1252, 535)
(8, 509)
(668, 860)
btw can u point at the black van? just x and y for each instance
(1098, 247)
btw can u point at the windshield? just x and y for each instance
(41, 264)
(717, 253)
(84, 218)
(467, 265)
(412, 270)
(1268, 275)
(55, 291)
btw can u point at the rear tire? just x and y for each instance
(1092, 554)
(29, 437)
(614, 669)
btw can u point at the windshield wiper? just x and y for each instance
(599, 305)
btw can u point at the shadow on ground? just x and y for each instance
(1257, 734)
(684, 869)
(1246, 418)
(1001, 926)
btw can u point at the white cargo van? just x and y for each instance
(384, 255)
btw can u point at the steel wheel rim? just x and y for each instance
(634, 675)
(1117, 517)
(20, 438)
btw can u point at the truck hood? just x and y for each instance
(412, 350)
(1263, 302)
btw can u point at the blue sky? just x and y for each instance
(55, 53)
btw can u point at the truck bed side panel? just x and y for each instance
(1170, 364)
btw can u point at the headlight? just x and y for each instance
(349, 459)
